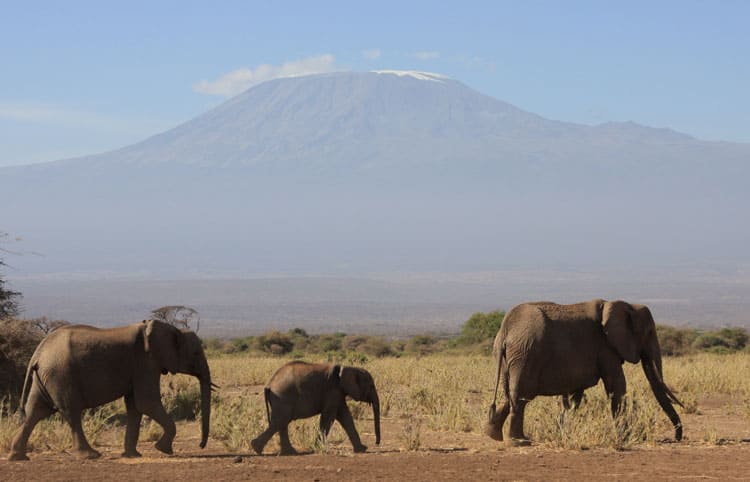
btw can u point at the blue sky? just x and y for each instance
(83, 77)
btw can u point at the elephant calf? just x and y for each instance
(79, 367)
(301, 390)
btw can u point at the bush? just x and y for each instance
(18, 340)
(726, 340)
(480, 327)
(300, 338)
(353, 342)
(675, 341)
(275, 343)
(11, 382)
(376, 346)
(736, 338)
(326, 343)
(240, 344)
(422, 344)
(8, 298)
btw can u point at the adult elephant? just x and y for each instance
(544, 348)
(79, 367)
(301, 390)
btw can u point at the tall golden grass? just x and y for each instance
(434, 393)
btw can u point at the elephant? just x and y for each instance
(78, 367)
(301, 390)
(544, 348)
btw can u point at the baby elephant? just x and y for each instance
(301, 390)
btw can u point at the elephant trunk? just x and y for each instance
(663, 394)
(205, 382)
(376, 416)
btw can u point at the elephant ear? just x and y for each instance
(334, 375)
(617, 321)
(350, 382)
(162, 341)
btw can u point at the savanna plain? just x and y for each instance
(433, 409)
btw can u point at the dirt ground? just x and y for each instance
(716, 446)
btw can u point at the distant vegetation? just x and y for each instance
(8, 298)
(19, 338)
(476, 337)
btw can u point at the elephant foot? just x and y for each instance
(493, 432)
(517, 442)
(257, 447)
(87, 454)
(289, 451)
(131, 454)
(164, 447)
(15, 456)
(360, 448)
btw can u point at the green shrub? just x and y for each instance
(675, 341)
(275, 343)
(331, 342)
(480, 327)
(422, 344)
(376, 346)
(726, 340)
(353, 342)
(300, 338)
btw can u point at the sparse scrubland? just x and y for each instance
(428, 387)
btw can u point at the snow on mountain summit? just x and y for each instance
(415, 74)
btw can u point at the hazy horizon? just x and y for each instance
(590, 157)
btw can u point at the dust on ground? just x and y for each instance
(716, 446)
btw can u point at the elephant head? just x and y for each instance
(359, 384)
(631, 331)
(180, 351)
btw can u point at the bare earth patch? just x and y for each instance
(716, 446)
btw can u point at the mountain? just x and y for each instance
(372, 171)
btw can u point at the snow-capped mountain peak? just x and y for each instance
(415, 74)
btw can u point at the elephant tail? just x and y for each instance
(266, 396)
(500, 361)
(26, 388)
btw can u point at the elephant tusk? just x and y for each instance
(214, 387)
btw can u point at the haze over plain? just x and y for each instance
(318, 171)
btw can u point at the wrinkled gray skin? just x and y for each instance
(544, 348)
(301, 390)
(79, 367)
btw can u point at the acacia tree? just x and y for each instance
(178, 315)
(8, 298)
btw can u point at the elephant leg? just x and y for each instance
(36, 410)
(326, 420)
(495, 426)
(615, 385)
(80, 443)
(159, 415)
(286, 444)
(513, 435)
(570, 401)
(577, 397)
(259, 442)
(281, 416)
(344, 416)
(133, 428)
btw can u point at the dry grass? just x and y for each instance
(438, 393)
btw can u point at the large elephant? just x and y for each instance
(544, 348)
(79, 367)
(301, 390)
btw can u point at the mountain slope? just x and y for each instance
(370, 171)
